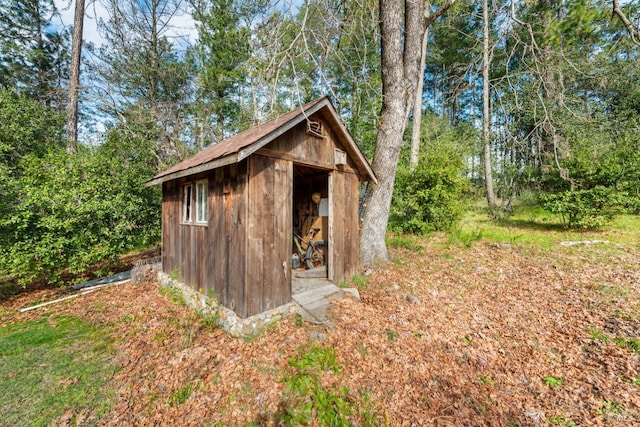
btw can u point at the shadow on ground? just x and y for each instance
(10, 287)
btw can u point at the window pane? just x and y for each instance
(186, 204)
(201, 202)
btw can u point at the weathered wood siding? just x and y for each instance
(308, 150)
(269, 233)
(209, 258)
(343, 227)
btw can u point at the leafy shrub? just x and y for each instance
(73, 211)
(585, 209)
(632, 205)
(26, 128)
(430, 197)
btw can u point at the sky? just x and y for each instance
(183, 24)
(90, 28)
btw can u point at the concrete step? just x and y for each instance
(313, 304)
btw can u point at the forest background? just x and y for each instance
(519, 102)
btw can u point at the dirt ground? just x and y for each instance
(448, 335)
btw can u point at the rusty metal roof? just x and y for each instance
(240, 146)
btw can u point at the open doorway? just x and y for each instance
(310, 225)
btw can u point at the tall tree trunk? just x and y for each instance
(74, 78)
(417, 108)
(43, 95)
(401, 38)
(486, 117)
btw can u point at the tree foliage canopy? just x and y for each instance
(79, 209)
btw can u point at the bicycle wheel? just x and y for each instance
(316, 255)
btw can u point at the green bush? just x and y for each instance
(584, 209)
(26, 128)
(73, 211)
(429, 197)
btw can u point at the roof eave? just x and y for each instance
(205, 167)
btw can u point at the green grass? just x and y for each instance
(553, 381)
(307, 401)
(406, 241)
(51, 366)
(633, 344)
(597, 334)
(174, 294)
(180, 396)
(360, 282)
(529, 224)
(561, 420)
(610, 407)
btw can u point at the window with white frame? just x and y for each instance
(187, 205)
(194, 203)
(201, 202)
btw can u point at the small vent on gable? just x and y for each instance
(314, 128)
(339, 157)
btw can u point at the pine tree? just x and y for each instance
(33, 54)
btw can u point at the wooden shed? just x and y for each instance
(229, 212)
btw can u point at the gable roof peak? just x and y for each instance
(242, 145)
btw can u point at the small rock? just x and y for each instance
(330, 325)
(285, 342)
(353, 292)
(367, 272)
(316, 336)
(583, 242)
(536, 417)
(412, 299)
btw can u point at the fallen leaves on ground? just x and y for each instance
(444, 336)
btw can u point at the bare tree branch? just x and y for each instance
(633, 32)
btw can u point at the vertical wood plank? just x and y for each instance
(179, 235)
(283, 193)
(213, 281)
(268, 221)
(236, 235)
(338, 227)
(168, 227)
(351, 226)
(331, 274)
(255, 259)
(261, 230)
(217, 244)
